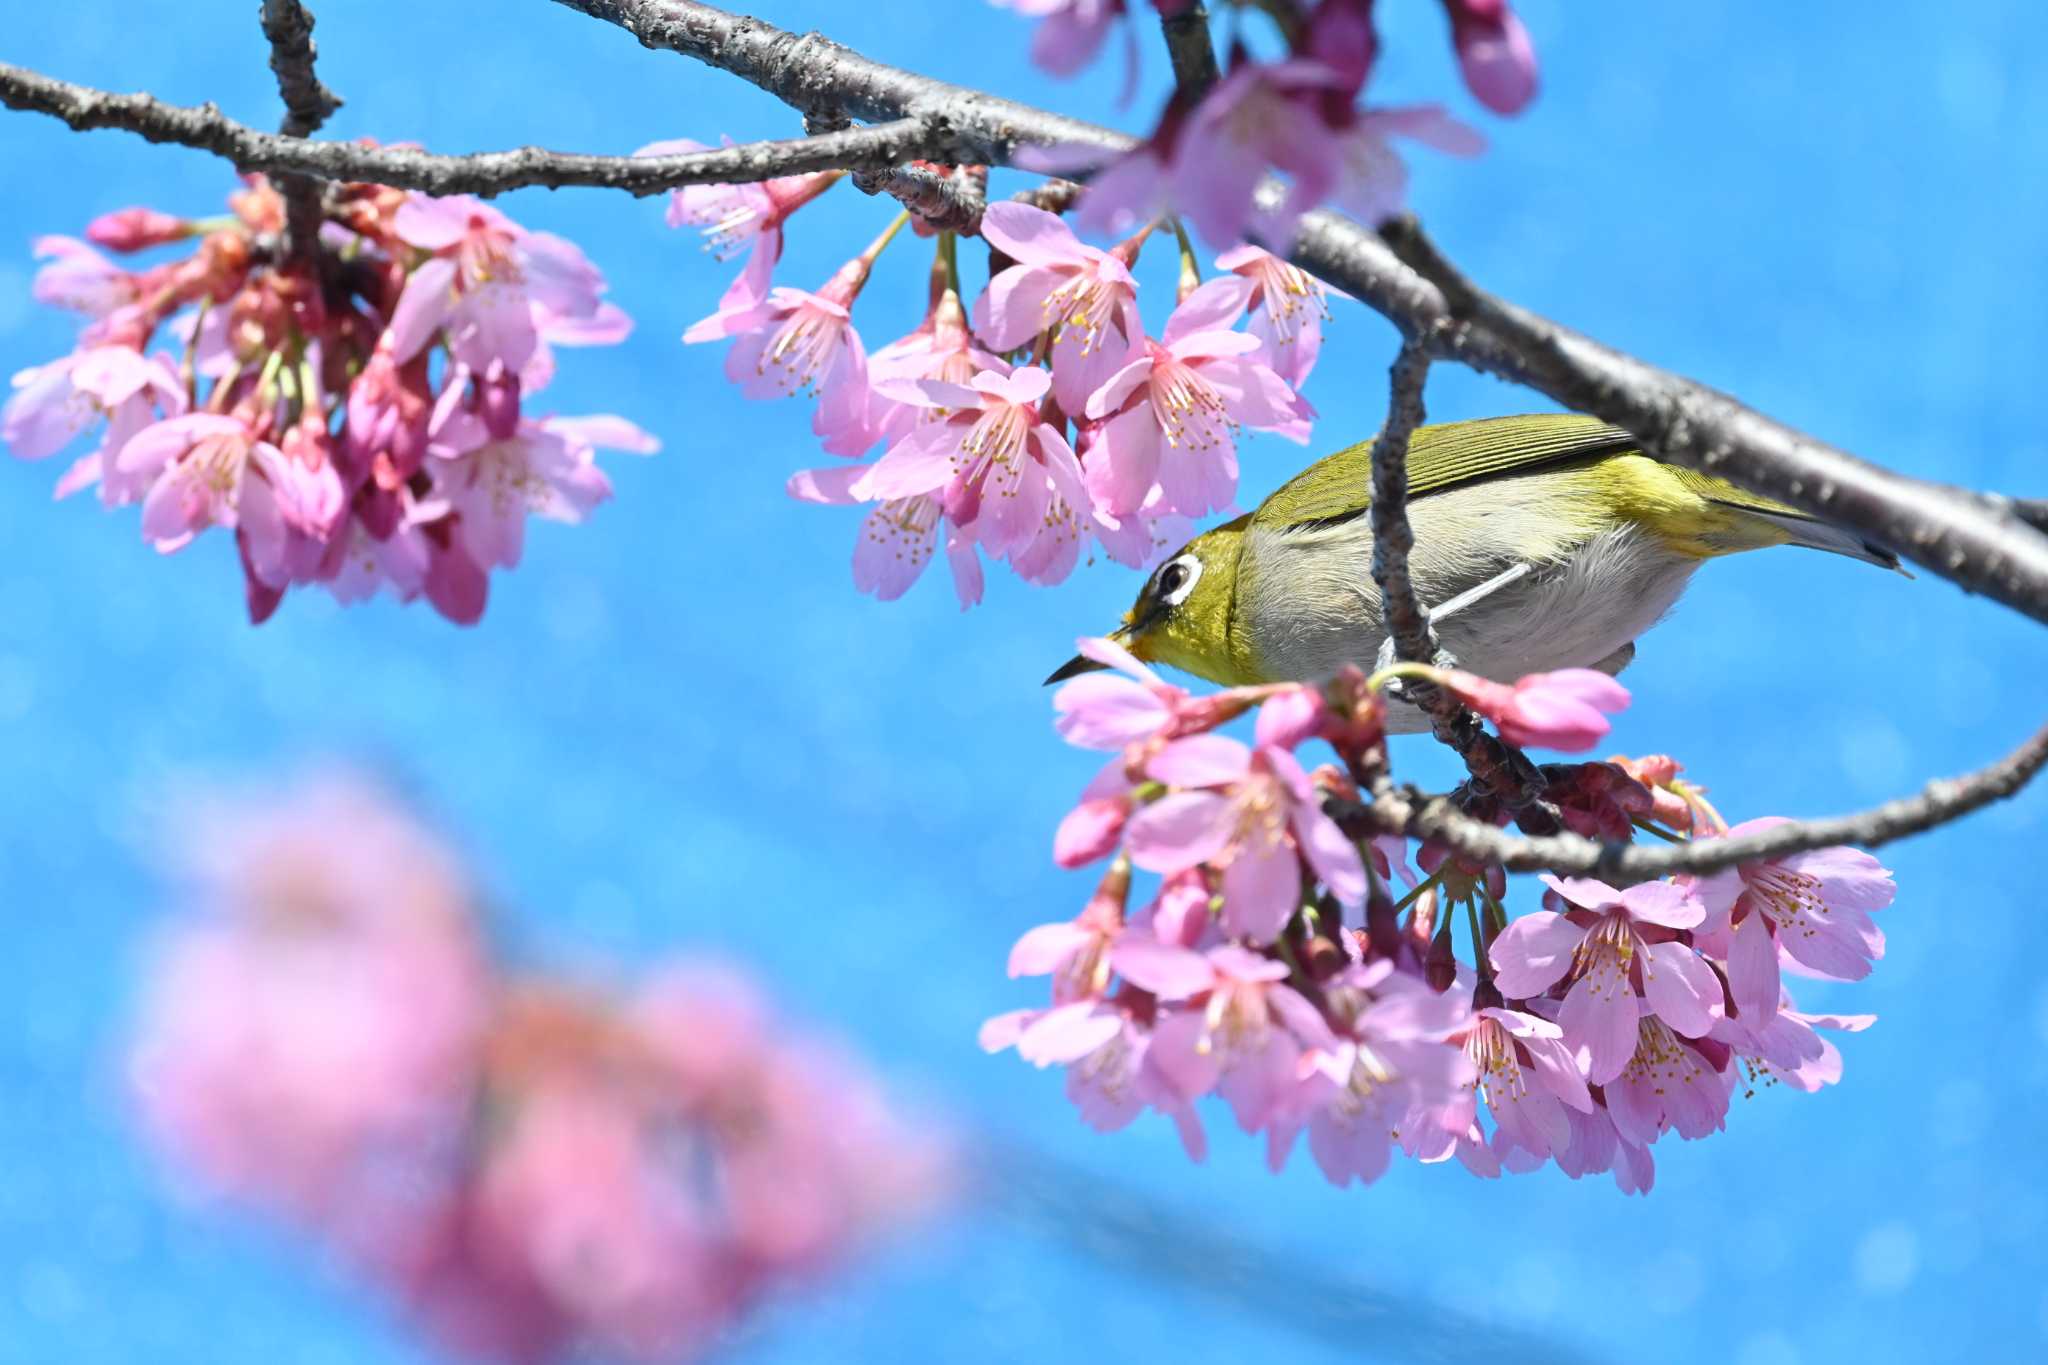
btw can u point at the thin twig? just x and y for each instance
(1189, 48)
(483, 173)
(289, 27)
(1393, 539)
(307, 103)
(1500, 769)
(1409, 812)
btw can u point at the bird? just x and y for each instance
(1542, 542)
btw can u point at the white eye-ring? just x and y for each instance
(1177, 579)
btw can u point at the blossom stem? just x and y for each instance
(1190, 268)
(888, 235)
(1666, 835)
(1425, 884)
(1480, 962)
(1404, 669)
(188, 363)
(949, 256)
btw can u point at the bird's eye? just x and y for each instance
(1177, 580)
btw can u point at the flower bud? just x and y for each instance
(1090, 831)
(1290, 717)
(136, 229)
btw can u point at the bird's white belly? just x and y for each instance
(1575, 612)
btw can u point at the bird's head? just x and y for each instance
(1182, 615)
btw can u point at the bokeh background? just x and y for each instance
(679, 725)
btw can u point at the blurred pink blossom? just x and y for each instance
(536, 1171)
(1494, 52)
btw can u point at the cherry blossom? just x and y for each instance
(1288, 306)
(740, 217)
(1084, 298)
(1607, 941)
(1170, 417)
(1812, 910)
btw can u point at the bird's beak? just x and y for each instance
(1073, 668)
(1081, 663)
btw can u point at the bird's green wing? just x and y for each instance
(1338, 487)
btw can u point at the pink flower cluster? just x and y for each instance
(1048, 425)
(1274, 967)
(1297, 119)
(534, 1170)
(353, 413)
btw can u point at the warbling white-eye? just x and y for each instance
(1541, 542)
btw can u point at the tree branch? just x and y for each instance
(951, 199)
(205, 128)
(307, 103)
(1409, 812)
(1972, 543)
(1190, 50)
(289, 27)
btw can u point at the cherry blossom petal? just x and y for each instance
(1600, 1026)
(1179, 830)
(1681, 988)
(1533, 952)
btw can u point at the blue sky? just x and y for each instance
(682, 713)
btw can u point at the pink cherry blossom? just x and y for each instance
(797, 342)
(1528, 1078)
(1385, 1069)
(1069, 33)
(1260, 118)
(1810, 909)
(743, 216)
(547, 468)
(55, 403)
(1668, 1082)
(897, 538)
(1130, 190)
(1229, 1035)
(335, 942)
(1788, 1046)
(80, 278)
(1075, 953)
(1288, 308)
(997, 461)
(1561, 710)
(1494, 52)
(1084, 296)
(1605, 941)
(496, 288)
(1170, 416)
(1115, 709)
(1371, 180)
(207, 469)
(1596, 1147)
(940, 348)
(1254, 814)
